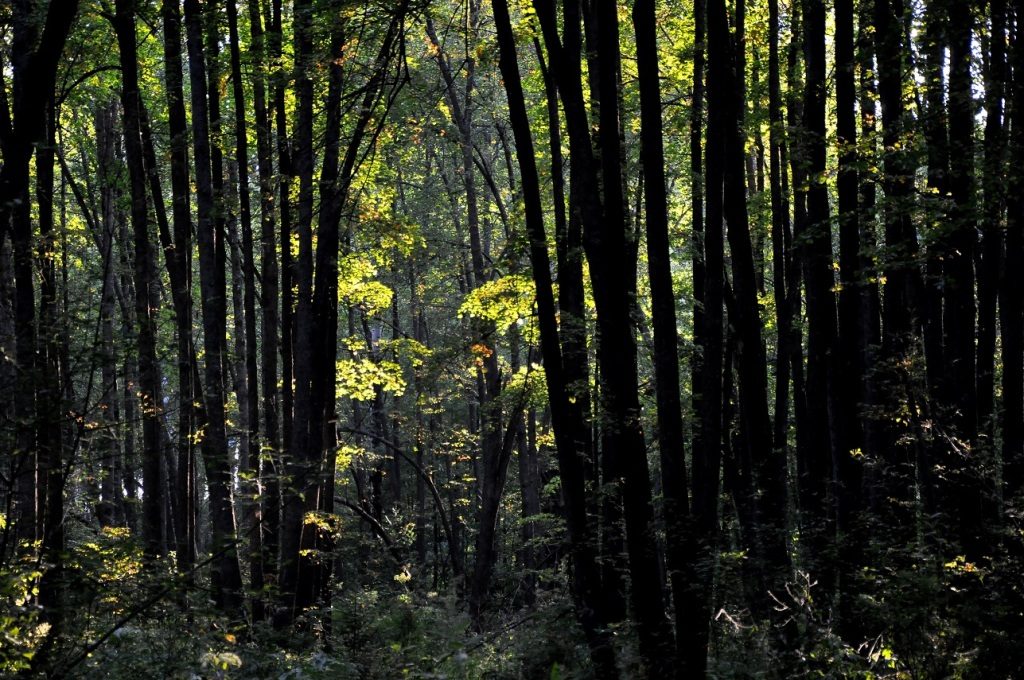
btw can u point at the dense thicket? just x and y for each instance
(552, 338)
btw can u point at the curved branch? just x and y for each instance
(445, 525)
(377, 529)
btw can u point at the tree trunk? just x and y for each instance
(146, 295)
(899, 269)
(269, 508)
(251, 407)
(110, 450)
(1011, 300)
(666, 353)
(227, 579)
(586, 583)
(619, 381)
(960, 313)
(993, 206)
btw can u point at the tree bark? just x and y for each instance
(146, 295)
(666, 352)
(586, 582)
(227, 579)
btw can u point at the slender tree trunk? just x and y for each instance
(111, 483)
(850, 348)
(146, 295)
(960, 315)
(780, 225)
(179, 267)
(301, 495)
(227, 579)
(252, 411)
(899, 269)
(822, 408)
(269, 508)
(36, 47)
(868, 219)
(993, 206)
(585, 580)
(1011, 300)
(620, 401)
(666, 354)
(50, 404)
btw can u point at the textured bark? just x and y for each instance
(177, 253)
(269, 508)
(146, 294)
(900, 312)
(586, 583)
(250, 407)
(822, 407)
(1011, 300)
(666, 353)
(850, 347)
(619, 380)
(227, 579)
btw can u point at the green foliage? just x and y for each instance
(360, 378)
(503, 301)
(21, 628)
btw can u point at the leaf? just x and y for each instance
(359, 378)
(503, 301)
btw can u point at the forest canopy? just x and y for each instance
(511, 339)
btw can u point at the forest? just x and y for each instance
(512, 339)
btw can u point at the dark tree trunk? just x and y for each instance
(958, 281)
(619, 382)
(936, 134)
(50, 404)
(179, 266)
(1011, 300)
(850, 348)
(795, 270)
(286, 185)
(709, 334)
(960, 314)
(111, 501)
(146, 292)
(895, 501)
(666, 353)
(36, 48)
(993, 206)
(269, 508)
(302, 488)
(822, 408)
(868, 189)
(571, 296)
(251, 407)
(227, 579)
(766, 464)
(586, 583)
(780, 226)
